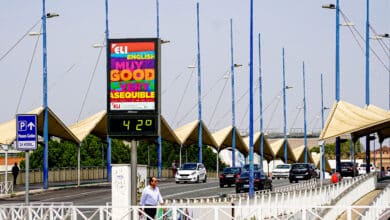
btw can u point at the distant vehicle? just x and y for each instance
(255, 167)
(281, 171)
(302, 171)
(260, 181)
(348, 169)
(362, 168)
(229, 176)
(191, 172)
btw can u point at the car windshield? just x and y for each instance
(231, 169)
(283, 166)
(255, 166)
(257, 175)
(300, 166)
(189, 166)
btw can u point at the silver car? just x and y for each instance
(281, 171)
(191, 172)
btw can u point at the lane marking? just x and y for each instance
(76, 195)
(187, 192)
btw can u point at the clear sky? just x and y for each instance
(302, 27)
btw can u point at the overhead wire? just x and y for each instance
(27, 74)
(18, 41)
(273, 112)
(219, 99)
(182, 97)
(202, 98)
(90, 83)
(346, 19)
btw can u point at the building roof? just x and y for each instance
(346, 118)
(223, 138)
(56, 127)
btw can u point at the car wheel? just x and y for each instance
(273, 177)
(205, 178)
(177, 182)
(229, 185)
(221, 185)
(296, 181)
(197, 179)
(290, 180)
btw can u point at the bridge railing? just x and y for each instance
(204, 212)
(6, 187)
(381, 201)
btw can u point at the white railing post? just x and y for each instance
(349, 214)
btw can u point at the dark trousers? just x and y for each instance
(15, 176)
(150, 212)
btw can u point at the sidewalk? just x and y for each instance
(37, 188)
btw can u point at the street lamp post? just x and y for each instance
(199, 89)
(304, 112)
(108, 138)
(45, 105)
(232, 66)
(251, 179)
(337, 81)
(261, 107)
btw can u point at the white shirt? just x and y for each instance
(151, 196)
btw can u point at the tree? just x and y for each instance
(93, 153)
(330, 149)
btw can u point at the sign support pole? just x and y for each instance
(27, 181)
(133, 172)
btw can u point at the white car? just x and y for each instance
(362, 168)
(281, 171)
(191, 172)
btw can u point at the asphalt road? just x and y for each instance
(101, 195)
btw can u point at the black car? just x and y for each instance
(260, 181)
(229, 175)
(302, 171)
(348, 169)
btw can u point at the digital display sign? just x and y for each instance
(139, 125)
(132, 75)
(133, 87)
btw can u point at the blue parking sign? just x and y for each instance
(26, 132)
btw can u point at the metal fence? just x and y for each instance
(201, 212)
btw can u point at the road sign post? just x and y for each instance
(26, 140)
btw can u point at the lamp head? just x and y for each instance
(329, 6)
(51, 15)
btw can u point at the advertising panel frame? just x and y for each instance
(145, 110)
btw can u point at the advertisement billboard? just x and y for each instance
(133, 90)
(132, 75)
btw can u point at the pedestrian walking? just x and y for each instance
(15, 172)
(151, 197)
(174, 168)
